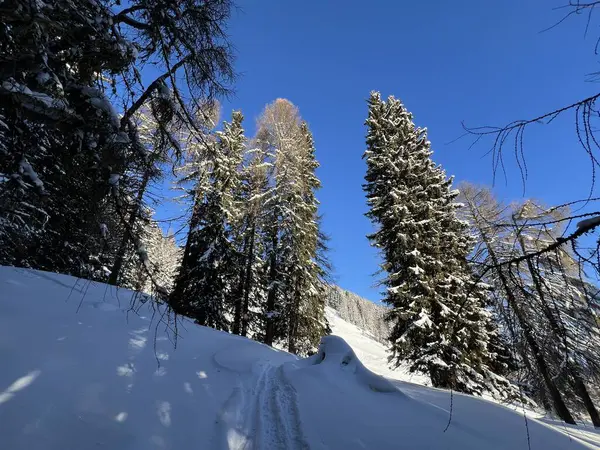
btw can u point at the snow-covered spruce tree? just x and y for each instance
(440, 325)
(292, 238)
(203, 287)
(248, 238)
(194, 181)
(307, 318)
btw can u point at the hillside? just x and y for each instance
(366, 315)
(85, 368)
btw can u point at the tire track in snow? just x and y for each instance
(263, 416)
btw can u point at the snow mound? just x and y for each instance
(335, 354)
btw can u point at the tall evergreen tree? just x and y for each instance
(205, 280)
(248, 234)
(307, 322)
(439, 321)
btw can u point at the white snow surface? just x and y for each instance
(80, 371)
(372, 354)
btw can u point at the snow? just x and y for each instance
(335, 354)
(26, 169)
(47, 101)
(99, 101)
(372, 354)
(83, 370)
(104, 230)
(113, 179)
(591, 222)
(13, 86)
(43, 77)
(120, 138)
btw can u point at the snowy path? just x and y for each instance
(262, 415)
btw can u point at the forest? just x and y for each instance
(102, 103)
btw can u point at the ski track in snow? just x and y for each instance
(264, 415)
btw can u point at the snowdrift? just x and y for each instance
(80, 369)
(337, 358)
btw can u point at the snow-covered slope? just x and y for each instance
(358, 311)
(372, 353)
(80, 370)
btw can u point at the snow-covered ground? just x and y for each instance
(372, 353)
(80, 371)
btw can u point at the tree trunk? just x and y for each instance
(584, 395)
(248, 282)
(237, 311)
(293, 326)
(118, 264)
(557, 400)
(272, 295)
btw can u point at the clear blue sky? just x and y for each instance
(483, 62)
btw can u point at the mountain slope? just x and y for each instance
(81, 369)
(372, 353)
(358, 311)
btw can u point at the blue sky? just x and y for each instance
(482, 62)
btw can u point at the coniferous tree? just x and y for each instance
(307, 322)
(549, 285)
(74, 167)
(151, 152)
(249, 238)
(60, 131)
(205, 280)
(440, 324)
(292, 236)
(164, 258)
(512, 303)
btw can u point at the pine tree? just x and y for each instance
(205, 281)
(438, 310)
